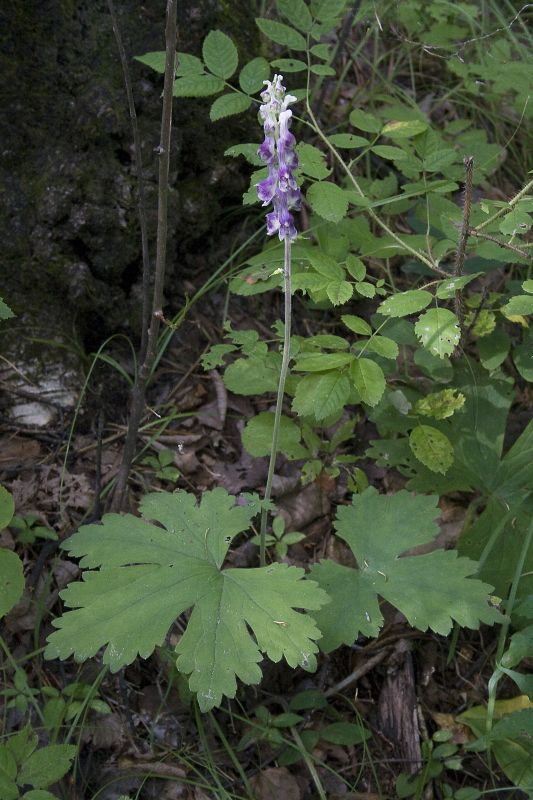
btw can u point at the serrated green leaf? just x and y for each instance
(365, 289)
(515, 222)
(42, 794)
(321, 362)
(321, 395)
(347, 141)
(257, 436)
(404, 129)
(328, 200)
(5, 311)
(438, 330)
(368, 379)
(345, 733)
(312, 161)
(47, 765)
(389, 152)
(383, 346)
(11, 580)
(355, 267)
(248, 150)
(448, 287)
(281, 34)
(430, 590)
(197, 86)
(297, 13)
(220, 54)
(523, 357)
(254, 375)
(155, 60)
(328, 9)
(432, 448)
(229, 104)
(253, 75)
(325, 264)
(405, 303)
(323, 51)
(186, 64)
(339, 292)
(162, 571)
(520, 304)
(527, 286)
(289, 65)
(437, 161)
(494, 349)
(365, 122)
(356, 324)
(322, 69)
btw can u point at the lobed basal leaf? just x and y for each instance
(148, 575)
(431, 590)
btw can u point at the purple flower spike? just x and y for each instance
(277, 151)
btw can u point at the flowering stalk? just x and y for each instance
(280, 189)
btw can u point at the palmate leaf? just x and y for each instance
(431, 590)
(149, 575)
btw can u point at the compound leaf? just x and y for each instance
(431, 590)
(149, 575)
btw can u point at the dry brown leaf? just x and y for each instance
(446, 722)
(275, 783)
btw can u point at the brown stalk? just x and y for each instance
(463, 235)
(138, 395)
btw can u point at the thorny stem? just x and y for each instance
(279, 399)
(140, 180)
(489, 238)
(138, 394)
(463, 236)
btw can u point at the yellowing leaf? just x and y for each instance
(432, 448)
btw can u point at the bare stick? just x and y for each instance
(463, 236)
(140, 180)
(138, 394)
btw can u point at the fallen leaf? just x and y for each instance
(275, 783)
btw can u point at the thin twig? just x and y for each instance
(504, 209)
(138, 395)
(489, 238)
(279, 399)
(357, 674)
(468, 161)
(140, 181)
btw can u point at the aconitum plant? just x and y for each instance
(277, 151)
(280, 189)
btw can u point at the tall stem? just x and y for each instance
(281, 391)
(504, 630)
(140, 180)
(139, 390)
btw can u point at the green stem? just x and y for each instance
(498, 673)
(279, 399)
(506, 208)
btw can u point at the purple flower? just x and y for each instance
(277, 151)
